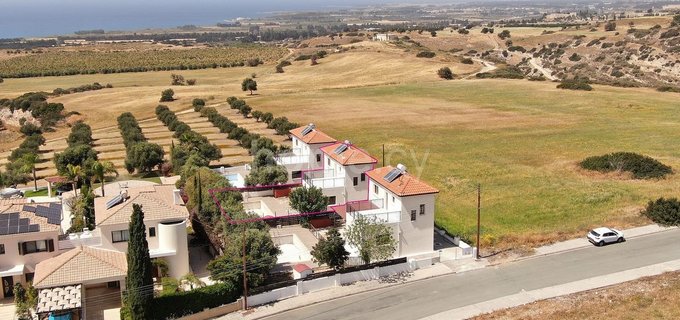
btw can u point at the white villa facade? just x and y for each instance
(306, 151)
(342, 177)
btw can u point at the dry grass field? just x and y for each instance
(521, 140)
(647, 298)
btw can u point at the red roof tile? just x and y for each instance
(352, 155)
(405, 185)
(313, 137)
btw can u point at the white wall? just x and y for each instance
(417, 237)
(358, 192)
(305, 286)
(12, 258)
(414, 237)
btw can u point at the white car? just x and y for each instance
(601, 236)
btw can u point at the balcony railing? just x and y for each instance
(380, 216)
(324, 179)
(373, 209)
(291, 158)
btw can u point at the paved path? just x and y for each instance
(436, 297)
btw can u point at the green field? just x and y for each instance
(521, 140)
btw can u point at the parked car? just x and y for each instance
(8, 193)
(603, 235)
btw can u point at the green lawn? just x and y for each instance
(39, 193)
(521, 140)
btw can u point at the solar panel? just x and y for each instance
(113, 202)
(34, 228)
(4, 231)
(307, 130)
(28, 208)
(24, 222)
(392, 175)
(340, 149)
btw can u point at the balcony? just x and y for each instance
(323, 179)
(371, 209)
(294, 157)
(86, 238)
(290, 158)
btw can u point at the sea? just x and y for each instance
(43, 18)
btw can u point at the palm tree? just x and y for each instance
(73, 174)
(102, 169)
(29, 161)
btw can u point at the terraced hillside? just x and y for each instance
(109, 143)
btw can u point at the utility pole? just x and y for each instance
(479, 216)
(383, 163)
(245, 275)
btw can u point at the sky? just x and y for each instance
(23, 18)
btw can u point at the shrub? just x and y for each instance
(575, 84)
(29, 129)
(610, 26)
(467, 61)
(445, 73)
(198, 104)
(575, 57)
(504, 34)
(191, 82)
(668, 89)
(665, 212)
(426, 54)
(167, 95)
(642, 167)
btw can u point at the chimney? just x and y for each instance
(177, 197)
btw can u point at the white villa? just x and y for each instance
(306, 153)
(69, 270)
(343, 174)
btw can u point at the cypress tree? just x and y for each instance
(139, 280)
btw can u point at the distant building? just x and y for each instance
(385, 37)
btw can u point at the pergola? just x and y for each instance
(53, 180)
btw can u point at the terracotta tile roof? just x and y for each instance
(301, 267)
(313, 137)
(79, 265)
(353, 155)
(157, 201)
(405, 185)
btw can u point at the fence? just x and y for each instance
(329, 279)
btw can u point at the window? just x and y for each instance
(392, 199)
(113, 284)
(2, 249)
(29, 277)
(422, 209)
(152, 232)
(296, 174)
(363, 177)
(331, 200)
(318, 158)
(355, 181)
(29, 247)
(120, 236)
(413, 215)
(328, 161)
(296, 142)
(375, 189)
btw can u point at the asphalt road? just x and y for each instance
(432, 296)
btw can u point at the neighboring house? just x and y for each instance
(165, 217)
(385, 37)
(29, 234)
(84, 275)
(306, 151)
(342, 177)
(405, 202)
